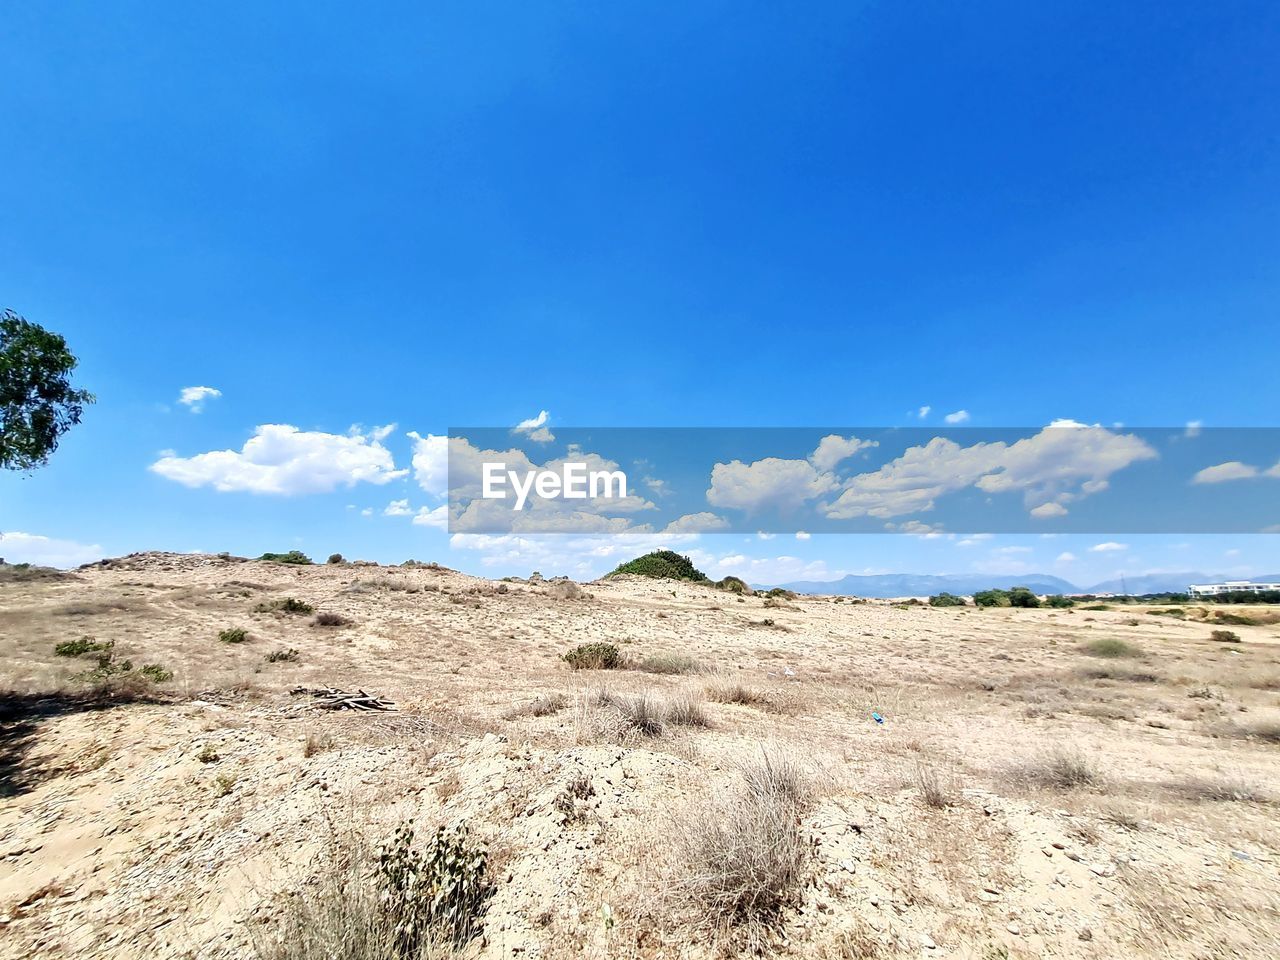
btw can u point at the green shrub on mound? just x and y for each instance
(734, 585)
(593, 656)
(293, 556)
(664, 565)
(946, 600)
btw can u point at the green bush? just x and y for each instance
(1058, 601)
(593, 656)
(664, 565)
(1111, 648)
(282, 656)
(233, 635)
(156, 673)
(1023, 597)
(287, 605)
(1225, 636)
(293, 556)
(780, 593)
(992, 598)
(78, 648)
(439, 894)
(335, 558)
(734, 585)
(946, 600)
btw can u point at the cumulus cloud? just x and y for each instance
(960, 416)
(697, 523)
(1109, 547)
(1224, 472)
(1061, 463)
(801, 535)
(19, 547)
(771, 483)
(398, 508)
(1050, 509)
(281, 459)
(194, 398)
(431, 462)
(535, 428)
(1066, 557)
(436, 518)
(581, 557)
(923, 411)
(834, 448)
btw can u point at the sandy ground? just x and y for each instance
(174, 826)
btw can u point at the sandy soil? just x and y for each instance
(174, 824)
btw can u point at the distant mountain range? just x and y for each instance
(918, 585)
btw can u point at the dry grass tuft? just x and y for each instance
(668, 663)
(540, 706)
(739, 861)
(1111, 647)
(1218, 787)
(937, 789)
(1064, 768)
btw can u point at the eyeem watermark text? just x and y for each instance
(572, 482)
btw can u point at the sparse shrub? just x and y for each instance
(208, 754)
(293, 556)
(109, 667)
(1098, 606)
(439, 894)
(946, 600)
(1110, 647)
(1062, 769)
(936, 789)
(1058, 601)
(780, 593)
(734, 585)
(282, 656)
(223, 784)
(739, 861)
(233, 635)
(335, 558)
(156, 672)
(593, 656)
(1224, 636)
(78, 648)
(330, 620)
(316, 743)
(685, 710)
(286, 605)
(1220, 788)
(565, 590)
(541, 706)
(663, 565)
(667, 663)
(992, 598)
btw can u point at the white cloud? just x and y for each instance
(764, 484)
(1066, 557)
(801, 535)
(1193, 429)
(1061, 463)
(367, 512)
(194, 397)
(923, 411)
(1223, 472)
(657, 486)
(1048, 510)
(834, 448)
(437, 518)
(697, 523)
(1109, 547)
(281, 459)
(535, 428)
(765, 536)
(431, 462)
(1011, 550)
(581, 557)
(960, 416)
(398, 508)
(18, 547)
(973, 539)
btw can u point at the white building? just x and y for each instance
(1231, 586)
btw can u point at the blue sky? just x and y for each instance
(726, 214)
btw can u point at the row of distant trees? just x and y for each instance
(1024, 597)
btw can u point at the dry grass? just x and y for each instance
(1062, 768)
(541, 706)
(738, 861)
(938, 789)
(1231, 788)
(668, 663)
(1111, 647)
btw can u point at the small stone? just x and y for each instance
(1085, 934)
(926, 941)
(1014, 929)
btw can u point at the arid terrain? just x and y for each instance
(1036, 788)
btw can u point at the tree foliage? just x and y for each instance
(38, 404)
(665, 565)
